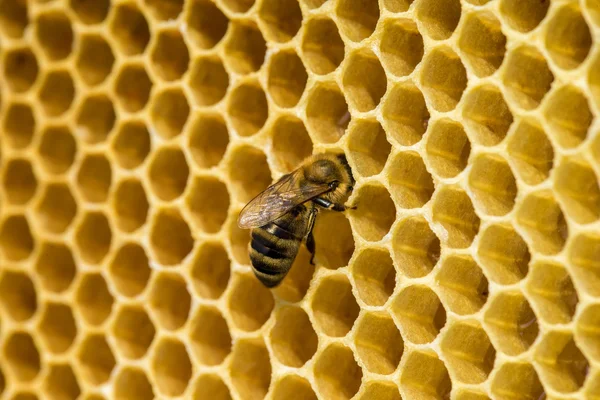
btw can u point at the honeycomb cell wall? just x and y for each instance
(132, 133)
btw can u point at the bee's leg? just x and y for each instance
(328, 204)
(310, 239)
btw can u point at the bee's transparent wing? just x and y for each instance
(278, 199)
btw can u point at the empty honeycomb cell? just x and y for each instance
(334, 306)
(133, 331)
(322, 46)
(337, 374)
(468, 352)
(13, 18)
(419, 314)
(357, 19)
(587, 333)
(379, 390)
(577, 188)
(503, 254)
(56, 208)
(281, 19)
(334, 240)
(96, 360)
(131, 144)
(22, 358)
(411, 185)
(327, 113)
(170, 237)
(297, 282)
(471, 395)
(24, 396)
(211, 270)
(133, 87)
(57, 149)
(129, 28)
(17, 295)
(287, 78)
(168, 173)
(544, 222)
(93, 299)
(314, 3)
(516, 380)
(416, 248)
(293, 338)
(527, 76)
(511, 323)
(486, 115)
(364, 81)
(584, 259)
(245, 47)
(378, 343)
(462, 286)
(95, 118)
(249, 303)
(492, 184)
(206, 23)
(444, 78)
(57, 327)
(250, 369)
(94, 59)
(292, 387)
(405, 114)
(90, 11)
(569, 116)
(439, 18)
(552, 292)
(18, 125)
(208, 139)
(248, 108)
(238, 6)
(562, 367)
(169, 112)
(531, 152)
(57, 92)
(524, 16)
(425, 376)
(401, 46)
(164, 9)
(130, 205)
(16, 242)
(211, 386)
(208, 80)
(171, 367)
(482, 42)
(374, 275)
(375, 214)
(448, 149)
(169, 55)
(130, 270)
(210, 336)
(368, 148)
(19, 182)
(55, 267)
(132, 383)
(94, 178)
(61, 383)
(170, 301)
(20, 69)
(568, 38)
(291, 142)
(249, 173)
(54, 33)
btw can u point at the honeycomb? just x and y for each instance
(134, 131)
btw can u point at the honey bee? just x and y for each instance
(284, 214)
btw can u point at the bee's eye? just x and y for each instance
(334, 184)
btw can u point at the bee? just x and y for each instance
(284, 214)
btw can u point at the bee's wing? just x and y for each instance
(278, 199)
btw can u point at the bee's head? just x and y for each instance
(333, 170)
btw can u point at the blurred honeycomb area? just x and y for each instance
(132, 133)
